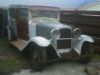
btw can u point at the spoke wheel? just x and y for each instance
(38, 57)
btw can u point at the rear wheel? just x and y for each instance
(86, 53)
(38, 57)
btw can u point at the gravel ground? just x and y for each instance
(61, 68)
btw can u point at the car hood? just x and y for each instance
(53, 25)
(44, 29)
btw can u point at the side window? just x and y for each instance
(23, 14)
(12, 12)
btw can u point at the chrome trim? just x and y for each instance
(63, 50)
(66, 34)
(64, 38)
(53, 31)
(75, 35)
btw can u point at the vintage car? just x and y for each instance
(38, 33)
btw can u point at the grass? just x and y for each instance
(11, 63)
(96, 58)
(10, 58)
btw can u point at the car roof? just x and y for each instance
(36, 7)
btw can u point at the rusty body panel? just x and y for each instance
(22, 29)
(20, 16)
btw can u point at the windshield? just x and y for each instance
(44, 13)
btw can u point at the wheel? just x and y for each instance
(86, 53)
(38, 57)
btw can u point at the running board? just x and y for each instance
(20, 44)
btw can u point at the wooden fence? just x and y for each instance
(87, 21)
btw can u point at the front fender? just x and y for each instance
(77, 43)
(40, 41)
(43, 42)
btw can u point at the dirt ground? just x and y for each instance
(60, 68)
(12, 62)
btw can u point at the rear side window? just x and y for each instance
(22, 13)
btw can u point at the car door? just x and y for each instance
(22, 23)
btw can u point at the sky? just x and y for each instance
(71, 4)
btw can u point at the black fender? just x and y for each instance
(51, 52)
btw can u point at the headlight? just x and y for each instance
(55, 34)
(76, 33)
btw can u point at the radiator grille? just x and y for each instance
(63, 44)
(65, 33)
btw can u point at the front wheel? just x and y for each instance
(86, 53)
(38, 57)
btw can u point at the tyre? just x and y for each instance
(38, 57)
(86, 53)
